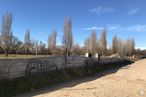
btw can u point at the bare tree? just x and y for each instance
(36, 47)
(129, 47)
(42, 47)
(27, 41)
(103, 42)
(121, 46)
(87, 45)
(77, 49)
(52, 41)
(6, 37)
(133, 46)
(49, 44)
(126, 47)
(54, 35)
(16, 43)
(93, 42)
(67, 36)
(115, 44)
(33, 47)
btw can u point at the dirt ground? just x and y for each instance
(128, 81)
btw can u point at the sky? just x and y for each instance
(124, 18)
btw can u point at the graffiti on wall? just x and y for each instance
(4, 68)
(35, 66)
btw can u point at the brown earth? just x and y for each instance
(128, 81)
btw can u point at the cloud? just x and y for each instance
(117, 27)
(91, 28)
(133, 28)
(114, 27)
(137, 28)
(133, 11)
(101, 10)
(109, 27)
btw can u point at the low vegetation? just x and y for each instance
(16, 56)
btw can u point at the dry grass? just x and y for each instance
(14, 56)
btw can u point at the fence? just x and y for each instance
(13, 68)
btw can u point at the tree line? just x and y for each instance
(118, 46)
(10, 44)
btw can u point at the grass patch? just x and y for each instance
(15, 56)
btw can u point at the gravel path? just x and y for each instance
(128, 81)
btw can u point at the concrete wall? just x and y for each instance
(13, 68)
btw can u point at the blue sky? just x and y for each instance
(125, 18)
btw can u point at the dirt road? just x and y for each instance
(128, 81)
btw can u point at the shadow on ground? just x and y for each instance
(72, 83)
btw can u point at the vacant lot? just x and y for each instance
(128, 81)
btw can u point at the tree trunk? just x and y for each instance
(68, 53)
(36, 53)
(25, 51)
(65, 61)
(6, 54)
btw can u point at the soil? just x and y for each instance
(127, 81)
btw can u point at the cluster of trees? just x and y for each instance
(11, 44)
(123, 47)
(95, 45)
(120, 47)
(7, 40)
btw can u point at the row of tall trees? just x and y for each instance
(7, 40)
(52, 42)
(123, 47)
(94, 45)
(120, 47)
(11, 44)
(67, 36)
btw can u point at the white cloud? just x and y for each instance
(110, 27)
(137, 28)
(91, 28)
(114, 27)
(133, 28)
(133, 11)
(101, 10)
